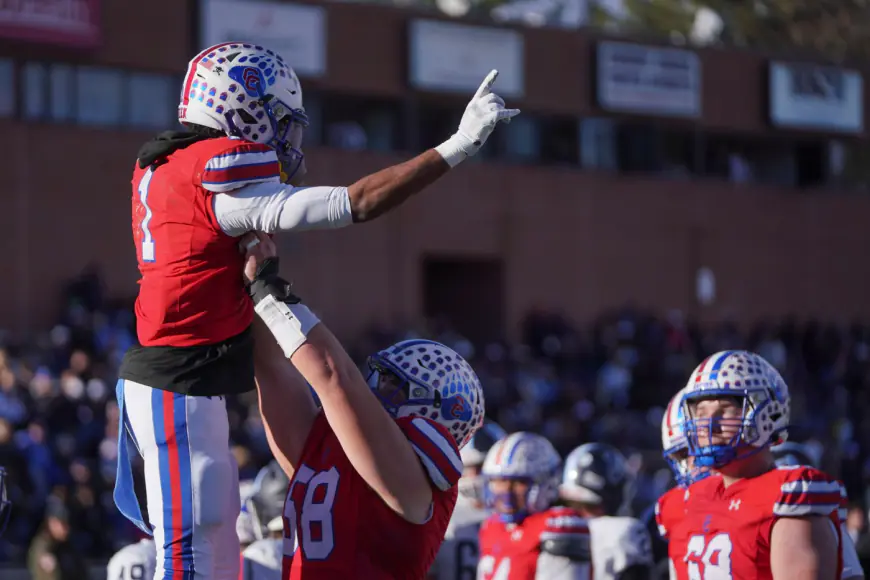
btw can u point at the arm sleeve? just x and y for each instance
(807, 492)
(275, 207)
(436, 450)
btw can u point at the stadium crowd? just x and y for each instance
(604, 381)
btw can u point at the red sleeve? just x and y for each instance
(240, 163)
(804, 492)
(436, 449)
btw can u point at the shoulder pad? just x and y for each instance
(435, 448)
(234, 163)
(566, 534)
(806, 491)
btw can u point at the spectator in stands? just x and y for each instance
(52, 555)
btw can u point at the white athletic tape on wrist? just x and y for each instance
(289, 323)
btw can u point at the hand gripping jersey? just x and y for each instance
(191, 292)
(617, 544)
(344, 528)
(725, 532)
(549, 545)
(133, 562)
(459, 554)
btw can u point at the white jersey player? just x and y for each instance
(457, 559)
(262, 559)
(595, 483)
(133, 562)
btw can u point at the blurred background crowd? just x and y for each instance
(605, 380)
(602, 377)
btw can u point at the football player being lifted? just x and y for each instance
(235, 167)
(596, 482)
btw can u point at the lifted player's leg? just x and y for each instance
(190, 478)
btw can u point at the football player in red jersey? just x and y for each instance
(374, 473)
(527, 538)
(194, 193)
(753, 520)
(669, 509)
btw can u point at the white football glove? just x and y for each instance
(482, 114)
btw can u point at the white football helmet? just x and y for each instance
(435, 383)
(675, 446)
(474, 454)
(528, 457)
(766, 404)
(247, 91)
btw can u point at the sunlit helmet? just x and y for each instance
(763, 394)
(525, 457)
(432, 381)
(250, 92)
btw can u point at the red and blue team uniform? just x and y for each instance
(191, 291)
(345, 530)
(726, 531)
(193, 316)
(670, 510)
(513, 551)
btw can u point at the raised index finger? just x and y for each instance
(487, 83)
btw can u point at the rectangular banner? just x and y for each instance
(295, 31)
(634, 78)
(457, 57)
(74, 23)
(809, 96)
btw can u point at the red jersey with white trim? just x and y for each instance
(669, 511)
(515, 551)
(191, 291)
(725, 532)
(345, 530)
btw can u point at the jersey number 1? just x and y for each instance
(147, 238)
(315, 533)
(709, 560)
(487, 570)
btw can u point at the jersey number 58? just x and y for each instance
(312, 495)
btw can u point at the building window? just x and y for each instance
(7, 88)
(520, 140)
(151, 100)
(99, 97)
(62, 83)
(35, 90)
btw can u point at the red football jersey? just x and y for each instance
(191, 291)
(513, 551)
(725, 532)
(345, 530)
(670, 510)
